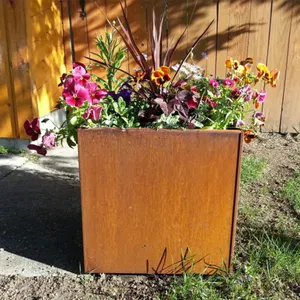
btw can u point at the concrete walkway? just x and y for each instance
(40, 221)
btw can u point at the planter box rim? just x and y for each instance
(211, 131)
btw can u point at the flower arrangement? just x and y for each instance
(158, 95)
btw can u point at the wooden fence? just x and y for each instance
(31, 61)
(267, 30)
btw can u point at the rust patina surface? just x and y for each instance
(152, 199)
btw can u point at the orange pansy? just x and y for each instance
(161, 75)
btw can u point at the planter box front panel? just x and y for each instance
(148, 196)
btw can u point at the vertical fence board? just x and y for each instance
(81, 36)
(7, 116)
(177, 22)
(15, 17)
(205, 12)
(291, 107)
(277, 58)
(259, 30)
(239, 22)
(136, 13)
(223, 36)
(96, 23)
(66, 34)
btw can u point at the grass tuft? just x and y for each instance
(291, 191)
(252, 169)
(272, 271)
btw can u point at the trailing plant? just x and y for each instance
(158, 95)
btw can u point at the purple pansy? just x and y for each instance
(40, 149)
(33, 128)
(125, 94)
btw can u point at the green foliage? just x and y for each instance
(112, 54)
(291, 191)
(252, 169)
(118, 114)
(3, 150)
(272, 264)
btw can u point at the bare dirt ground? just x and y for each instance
(270, 212)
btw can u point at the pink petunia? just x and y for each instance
(93, 113)
(228, 82)
(262, 95)
(95, 94)
(49, 140)
(213, 82)
(80, 75)
(33, 128)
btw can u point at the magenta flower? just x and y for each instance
(93, 113)
(213, 82)
(49, 140)
(80, 75)
(192, 103)
(228, 82)
(33, 128)
(194, 89)
(74, 94)
(39, 149)
(95, 94)
(262, 95)
(211, 102)
(78, 64)
(236, 93)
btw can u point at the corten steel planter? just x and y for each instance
(158, 201)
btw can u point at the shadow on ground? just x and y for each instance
(40, 216)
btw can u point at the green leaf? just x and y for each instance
(73, 120)
(116, 107)
(70, 143)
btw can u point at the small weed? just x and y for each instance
(250, 211)
(15, 151)
(291, 191)
(32, 157)
(3, 150)
(252, 169)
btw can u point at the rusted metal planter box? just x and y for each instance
(158, 201)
